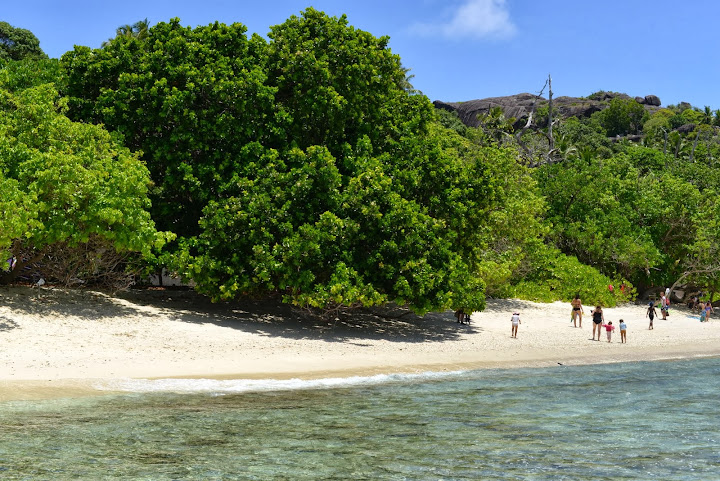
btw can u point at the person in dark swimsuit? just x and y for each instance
(651, 314)
(598, 321)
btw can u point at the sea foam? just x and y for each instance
(229, 386)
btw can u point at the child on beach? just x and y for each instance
(609, 328)
(515, 320)
(651, 314)
(623, 333)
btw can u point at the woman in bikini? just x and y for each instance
(576, 310)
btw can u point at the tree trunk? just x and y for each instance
(550, 120)
(692, 153)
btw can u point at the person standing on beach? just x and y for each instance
(609, 328)
(598, 319)
(515, 321)
(576, 310)
(651, 314)
(708, 309)
(663, 305)
(623, 331)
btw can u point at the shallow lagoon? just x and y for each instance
(617, 421)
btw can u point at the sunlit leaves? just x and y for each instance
(65, 182)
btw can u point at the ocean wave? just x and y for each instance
(230, 386)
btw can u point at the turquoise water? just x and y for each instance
(655, 420)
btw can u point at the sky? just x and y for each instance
(459, 50)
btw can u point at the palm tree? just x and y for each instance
(563, 149)
(405, 84)
(139, 30)
(495, 125)
(707, 115)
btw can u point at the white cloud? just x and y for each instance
(473, 18)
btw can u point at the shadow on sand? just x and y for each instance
(264, 317)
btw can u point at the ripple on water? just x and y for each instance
(620, 421)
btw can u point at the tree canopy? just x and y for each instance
(304, 166)
(18, 43)
(300, 166)
(66, 185)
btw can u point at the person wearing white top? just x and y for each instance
(515, 320)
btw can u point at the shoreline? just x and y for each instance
(58, 343)
(35, 390)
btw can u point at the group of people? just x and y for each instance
(705, 308)
(598, 317)
(599, 324)
(576, 318)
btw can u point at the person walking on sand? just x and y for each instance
(515, 321)
(609, 328)
(651, 314)
(598, 319)
(623, 331)
(576, 310)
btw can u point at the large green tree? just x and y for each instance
(358, 203)
(622, 117)
(66, 185)
(311, 169)
(628, 215)
(18, 43)
(189, 99)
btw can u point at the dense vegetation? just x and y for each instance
(306, 166)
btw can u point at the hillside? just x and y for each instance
(519, 106)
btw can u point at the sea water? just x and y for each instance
(646, 420)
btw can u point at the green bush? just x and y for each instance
(558, 277)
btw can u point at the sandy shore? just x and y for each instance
(55, 342)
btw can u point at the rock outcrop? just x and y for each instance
(519, 106)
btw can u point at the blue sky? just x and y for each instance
(460, 49)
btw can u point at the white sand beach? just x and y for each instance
(56, 342)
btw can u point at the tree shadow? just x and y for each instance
(48, 302)
(273, 318)
(7, 324)
(263, 317)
